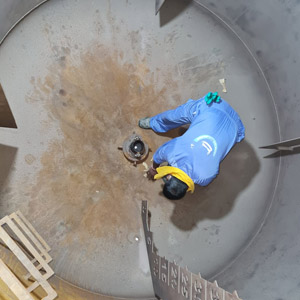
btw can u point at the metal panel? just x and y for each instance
(172, 282)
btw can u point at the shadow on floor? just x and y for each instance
(7, 158)
(174, 132)
(171, 9)
(217, 199)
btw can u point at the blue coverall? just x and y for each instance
(214, 130)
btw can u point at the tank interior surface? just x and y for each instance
(78, 75)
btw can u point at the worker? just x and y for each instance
(194, 157)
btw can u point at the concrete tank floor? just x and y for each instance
(78, 75)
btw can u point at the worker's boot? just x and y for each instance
(145, 123)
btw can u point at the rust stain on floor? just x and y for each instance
(86, 188)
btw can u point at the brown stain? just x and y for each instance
(86, 186)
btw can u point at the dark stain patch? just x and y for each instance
(66, 50)
(272, 249)
(62, 61)
(245, 21)
(252, 273)
(258, 53)
(212, 230)
(171, 37)
(135, 38)
(62, 92)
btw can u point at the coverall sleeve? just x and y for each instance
(206, 181)
(160, 154)
(174, 118)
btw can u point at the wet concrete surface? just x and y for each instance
(77, 87)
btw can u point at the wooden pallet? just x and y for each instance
(34, 256)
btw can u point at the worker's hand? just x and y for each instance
(151, 173)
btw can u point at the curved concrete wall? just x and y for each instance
(269, 267)
(12, 11)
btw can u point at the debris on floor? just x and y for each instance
(222, 82)
(146, 168)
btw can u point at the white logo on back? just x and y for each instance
(210, 147)
(207, 146)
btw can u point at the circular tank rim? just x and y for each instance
(248, 49)
(238, 35)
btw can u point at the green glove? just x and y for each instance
(212, 97)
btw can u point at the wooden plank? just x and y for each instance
(13, 283)
(28, 224)
(11, 244)
(30, 248)
(32, 237)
